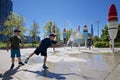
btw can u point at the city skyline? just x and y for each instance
(69, 13)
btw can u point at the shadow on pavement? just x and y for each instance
(48, 74)
(8, 74)
(1, 75)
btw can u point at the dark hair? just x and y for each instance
(17, 30)
(52, 35)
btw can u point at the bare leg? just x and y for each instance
(20, 63)
(45, 58)
(26, 61)
(31, 55)
(19, 59)
(12, 60)
(44, 63)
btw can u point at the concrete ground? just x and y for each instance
(64, 64)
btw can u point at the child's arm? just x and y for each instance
(22, 44)
(7, 46)
(39, 43)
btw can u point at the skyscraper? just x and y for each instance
(6, 6)
(92, 32)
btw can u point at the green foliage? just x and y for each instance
(47, 28)
(34, 32)
(68, 33)
(117, 44)
(104, 35)
(14, 21)
(118, 35)
(31, 45)
(58, 34)
(105, 39)
(96, 38)
(101, 44)
(104, 44)
(2, 45)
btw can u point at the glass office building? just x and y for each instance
(6, 6)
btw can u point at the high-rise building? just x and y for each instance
(92, 31)
(6, 6)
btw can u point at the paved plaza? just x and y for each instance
(64, 64)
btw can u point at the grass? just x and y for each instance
(2, 45)
(28, 45)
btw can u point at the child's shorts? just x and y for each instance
(38, 51)
(15, 53)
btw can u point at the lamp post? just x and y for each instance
(112, 24)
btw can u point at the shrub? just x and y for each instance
(117, 44)
(101, 44)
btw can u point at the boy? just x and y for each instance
(15, 49)
(44, 44)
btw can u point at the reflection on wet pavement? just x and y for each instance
(82, 66)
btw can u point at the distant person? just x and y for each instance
(15, 47)
(89, 42)
(92, 43)
(42, 48)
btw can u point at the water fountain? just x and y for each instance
(75, 37)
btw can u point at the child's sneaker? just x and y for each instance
(21, 64)
(12, 66)
(26, 61)
(45, 67)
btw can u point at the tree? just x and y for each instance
(105, 35)
(14, 21)
(68, 33)
(96, 38)
(118, 35)
(58, 34)
(48, 28)
(34, 32)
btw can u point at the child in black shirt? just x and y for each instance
(44, 44)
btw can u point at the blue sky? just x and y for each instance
(70, 13)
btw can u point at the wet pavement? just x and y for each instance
(65, 64)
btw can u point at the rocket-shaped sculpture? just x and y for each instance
(85, 34)
(64, 35)
(79, 37)
(112, 24)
